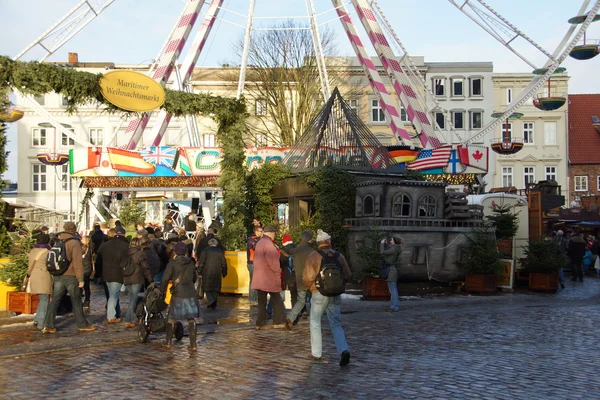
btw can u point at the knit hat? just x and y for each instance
(560, 233)
(269, 229)
(322, 236)
(180, 249)
(120, 230)
(287, 239)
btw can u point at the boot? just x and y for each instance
(192, 331)
(169, 329)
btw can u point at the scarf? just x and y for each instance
(42, 246)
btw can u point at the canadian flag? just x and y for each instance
(474, 156)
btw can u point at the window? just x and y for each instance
(39, 178)
(40, 99)
(65, 178)
(419, 255)
(528, 175)
(581, 183)
(209, 140)
(67, 141)
(507, 176)
(401, 205)
(509, 96)
(38, 137)
(261, 140)
(440, 120)
(476, 120)
(368, 205)
(439, 86)
(260, 107)
(96, 136)
(458, 119)
(353, 103)
(377, 114)
(550, 173)
(427, 207)
(598, 178)
(550, 133)
(528, 132)
(457, 87)
(595, 120)
(506, 130)
(476, 86)
(403, 115)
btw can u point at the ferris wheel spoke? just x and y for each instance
(65, 28)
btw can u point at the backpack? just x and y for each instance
(330, 279)
(57, 262)
(127, 266)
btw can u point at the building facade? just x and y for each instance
(544, 136)
(584, 146)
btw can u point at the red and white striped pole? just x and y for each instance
(385, 100)
(163, 119)
(400, 81)
(166, 62)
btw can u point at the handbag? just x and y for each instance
(199, 288)
(597, 263)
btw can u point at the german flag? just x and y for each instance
(403, 154)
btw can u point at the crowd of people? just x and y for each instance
(582, 251)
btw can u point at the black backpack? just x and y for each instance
(57, 262)
(330, 279)
(128, 266)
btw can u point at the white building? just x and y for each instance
(544, 135)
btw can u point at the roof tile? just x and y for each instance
(584, 140)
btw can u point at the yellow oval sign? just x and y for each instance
(132, 91)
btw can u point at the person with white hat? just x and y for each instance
(321, 304)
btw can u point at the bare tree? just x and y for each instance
(283, 79)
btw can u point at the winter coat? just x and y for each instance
(587, 259)
(576, 248)
(142, 273)
(98, 237)
(313, 266)
(109, 259)
(204, 244)
(299, 255)
(212, 266)
(183, 267)
(153, 260)
(73, 249)
(190, 225)
(87, 260)
(267, 271)
(391, 257)
(40, 280)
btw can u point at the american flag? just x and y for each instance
(436, 158)
(159, 155)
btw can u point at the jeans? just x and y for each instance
(132, 291)
(114, 291)
(577, 264)
(62, 284)
(262, 308)
(332, 306)
(297, 309)
(86, 287)
(270, 304)
(561, 276)
(252, 295)
(40, 313)
(394, 301)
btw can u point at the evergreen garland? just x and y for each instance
(260, 184)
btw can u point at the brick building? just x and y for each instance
(584, 146)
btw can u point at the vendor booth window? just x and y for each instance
(427, 206)
(401, 205)
(368, 205)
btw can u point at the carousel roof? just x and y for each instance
(337, 137)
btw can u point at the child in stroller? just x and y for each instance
(150, 314)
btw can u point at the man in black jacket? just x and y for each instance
(109, 258)
(203, 244)
(576, 251)
(212, 266)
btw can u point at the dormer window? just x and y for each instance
(596, 123)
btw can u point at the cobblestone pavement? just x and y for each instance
(510, 346)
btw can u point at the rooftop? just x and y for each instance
(584, 139)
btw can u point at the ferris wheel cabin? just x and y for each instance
(588, 49)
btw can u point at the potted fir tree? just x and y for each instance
(369, 258)
(542, 262)
(13, 273)
(506, 224)
(481, 263)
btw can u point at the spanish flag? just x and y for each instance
(129, 161)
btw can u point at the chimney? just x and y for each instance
(73, 58)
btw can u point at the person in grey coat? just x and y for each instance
(391, 256)
(212, 266)
(299, 255)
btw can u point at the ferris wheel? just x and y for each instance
(408, 83)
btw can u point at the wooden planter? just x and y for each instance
(505, 247)
(375, 289)
(481, 283)
(543, 282)
(22, 302)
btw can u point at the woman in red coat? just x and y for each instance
(267, 279)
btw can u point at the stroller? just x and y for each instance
(150, 314)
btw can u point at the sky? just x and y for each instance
(133, 32)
